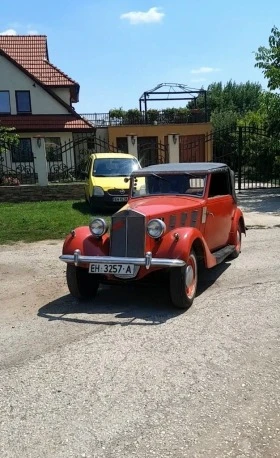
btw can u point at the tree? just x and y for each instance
(268, 59)
(7, 136)
(231, 97)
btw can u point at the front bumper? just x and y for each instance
(147, 261)
(108, 200)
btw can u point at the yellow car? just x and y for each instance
(105, 184)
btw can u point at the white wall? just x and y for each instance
(12, 79)
(63, 93)
(102, 133)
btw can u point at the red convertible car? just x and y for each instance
(177, 215)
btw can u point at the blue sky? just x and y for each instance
(117, 49)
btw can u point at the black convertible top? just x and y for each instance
(187, 167)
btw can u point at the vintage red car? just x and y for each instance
(177, 216)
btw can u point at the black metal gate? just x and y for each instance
(67, 162)
(17, 163)
(251, 152)
(150, 151)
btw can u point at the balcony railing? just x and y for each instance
(140, 118)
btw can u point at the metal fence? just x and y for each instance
(135, 117)
(251, 152)
(17, 164)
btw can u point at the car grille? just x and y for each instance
(118, 192)
(128, 234)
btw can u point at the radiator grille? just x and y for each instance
(128, 234)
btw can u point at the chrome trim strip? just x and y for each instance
(148, 261)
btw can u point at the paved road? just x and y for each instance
(129, 376)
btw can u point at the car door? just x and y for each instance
(219, 210)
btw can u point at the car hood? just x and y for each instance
(110, 182)
(159, 206)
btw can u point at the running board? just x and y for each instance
(223, 253)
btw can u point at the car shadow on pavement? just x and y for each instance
(125, 305)
(207, 277)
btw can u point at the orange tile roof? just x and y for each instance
(31, 52)
(39, 123)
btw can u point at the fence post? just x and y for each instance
(239, 155)
(173, 145)
(132, 145)
(40, 160)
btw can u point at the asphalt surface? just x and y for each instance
(130, 376)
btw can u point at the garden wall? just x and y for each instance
(35, 193)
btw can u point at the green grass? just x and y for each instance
(34, 221)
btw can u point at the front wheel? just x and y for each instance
(80, 283)
(183, 283)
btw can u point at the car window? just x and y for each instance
(178, 184)
(220, 184)
(114, 167)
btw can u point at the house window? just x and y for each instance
(53, 149)
(23, 102)
(5, 106)
(22, 152)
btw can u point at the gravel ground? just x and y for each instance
(130, 376)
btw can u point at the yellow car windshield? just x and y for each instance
(114, 167)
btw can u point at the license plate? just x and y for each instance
(120, 199)
(120, 269)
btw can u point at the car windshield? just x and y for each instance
(162, 184)
(121, 167)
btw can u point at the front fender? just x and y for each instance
(177, 244)
(82, 239)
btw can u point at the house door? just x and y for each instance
(192, 148)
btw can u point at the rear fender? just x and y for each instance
(82, 239)
(238, 219)
(178, 243)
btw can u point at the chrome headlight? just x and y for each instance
(98, 227)
(98, 191)
(156, 228)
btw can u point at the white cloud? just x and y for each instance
(142, 17)
(9, 32)
(18, 29)
(205, 70)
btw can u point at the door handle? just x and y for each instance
(210, 214)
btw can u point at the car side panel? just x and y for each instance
(218, 223)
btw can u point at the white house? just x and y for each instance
(36, 99)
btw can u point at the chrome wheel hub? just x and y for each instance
(189, 276)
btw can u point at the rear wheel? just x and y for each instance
(237, 249)
(183, 283)
(80, 283)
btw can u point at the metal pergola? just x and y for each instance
(170, 92)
